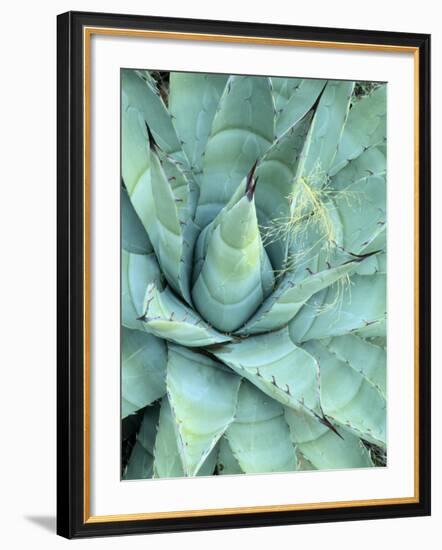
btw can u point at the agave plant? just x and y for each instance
(253, 275)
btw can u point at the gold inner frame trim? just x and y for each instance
(87, 34)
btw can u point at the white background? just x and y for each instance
(27, 228)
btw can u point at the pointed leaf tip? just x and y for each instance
(152, 143)
(316, 103)
(326, 422)
(361, 257)
(251, 181)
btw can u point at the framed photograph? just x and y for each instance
(243, 274)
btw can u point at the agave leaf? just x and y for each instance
(133, 235)
(380, 341)
(148, 429)
(325, 131)
(202, 243)
(366, 358)
(276, 175)
(342, 309)
(236, 275)
(172, 237)
(203, 399)
(378, 240)
(302, 464)
(137, 272)
(242, 130)
(371, 162)
(193, 99)
(169, 318)
(361, 211)
(208, 467)
(183, 186)
(227, 464)
(371, 265)
(200, 251)
(304, 94)
(140, 464)
(186, 193)
(282, 89)
(376, 329)
(278, 367)
(322, 447)
(145, 75)
(162, 196)
(292, 293)
(141, 104)
(134, 160)
(259, 437)
(167, 460)
(143, 370)
(365, 127)
(348, 398)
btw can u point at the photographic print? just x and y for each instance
(253, 274)
(241, 311)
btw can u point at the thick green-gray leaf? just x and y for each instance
(325, 132)
(259, 437)
(137, 272)
(186, 193)
(376, 329)
(365, 127)
(243, 128)
(342, 309)
(322, 447)
(172, 237)
(183, 186)
(361, 211)
(276, 175)
(141, 104)
(292, 293)
(134, 158)
(300, 101)
(371, 162)
(202, 243)
(168, 317)
(373, 264)
(140, 464)
(167, 460)
(302, 463)
(145, 75)
(155, 189)
(278, 367)
(203, 398)
(227, 464)
(236, 275)
(143, 370)
(380, 341)
(348, 398)
(133, 235)
(282, 89)
(193, 99)
(366, 358)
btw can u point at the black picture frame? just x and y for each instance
(71, 517)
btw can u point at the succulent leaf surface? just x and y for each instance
(253, 274)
